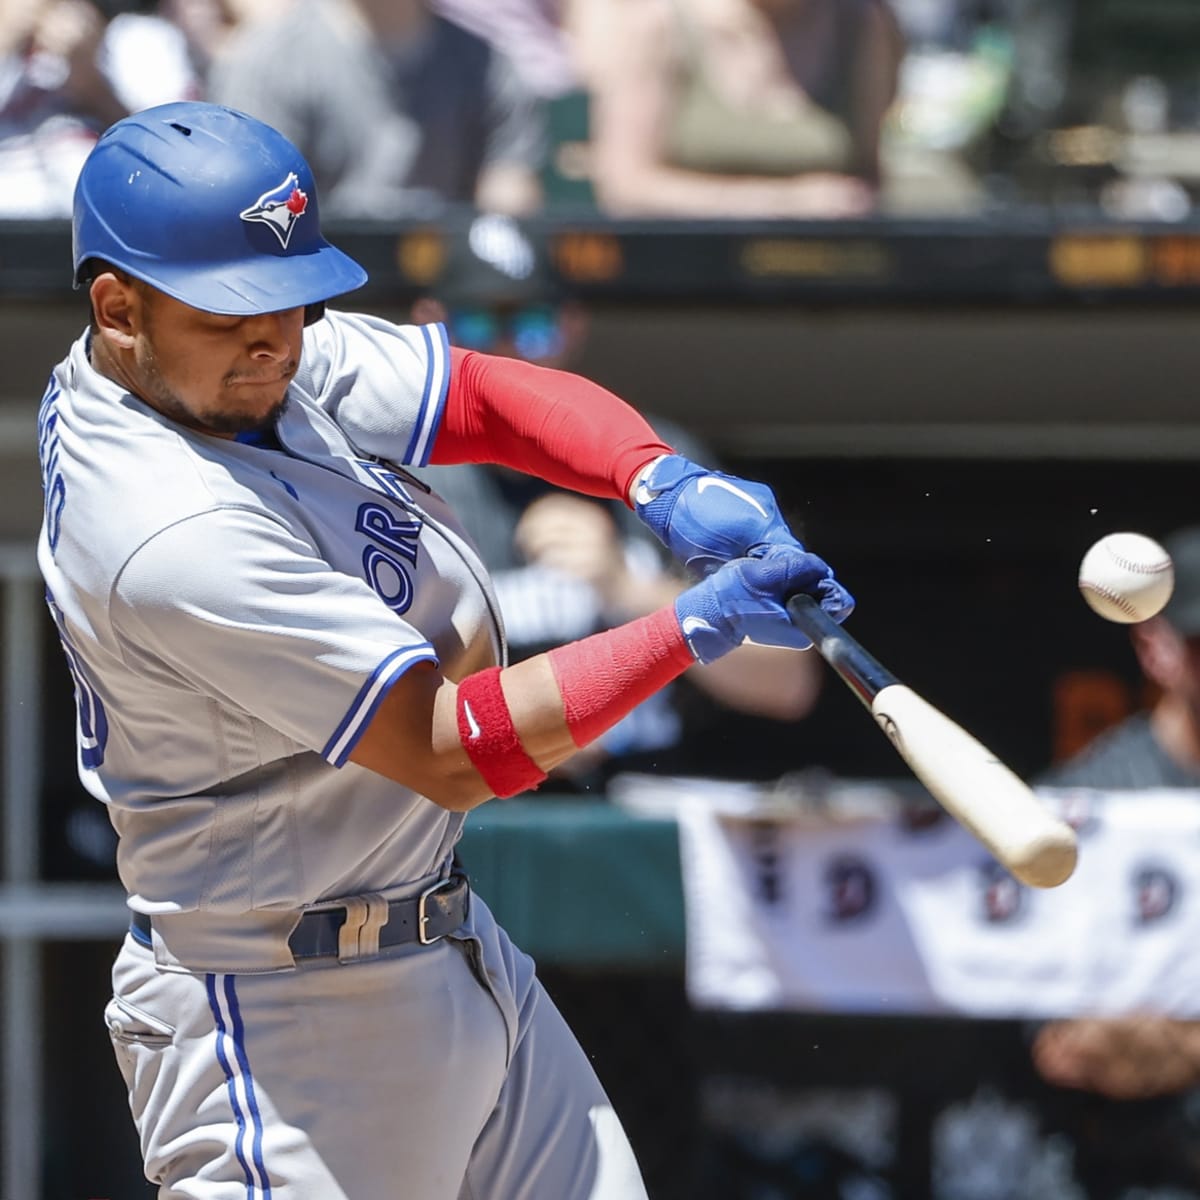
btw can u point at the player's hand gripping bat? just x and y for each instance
(966, 778)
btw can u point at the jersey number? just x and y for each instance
(93, 723)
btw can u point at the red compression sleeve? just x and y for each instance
(609, 674)
(552, 424)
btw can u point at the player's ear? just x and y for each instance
(114, 305)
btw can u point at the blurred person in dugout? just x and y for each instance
(565, 566)
(399, 110)
(70, 68)
(1127, 1089)
(737, 108)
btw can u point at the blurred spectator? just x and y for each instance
(161, 50)
(70, 68)
(529, 33)
(54, 101)
(538, 38)
(1135, 1115)
(208, 24)
(565, 566)
(149, 60)
(1104, 107)
(738, 108)
(398, 110)
(954, 82)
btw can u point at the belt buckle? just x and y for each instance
(423, 916)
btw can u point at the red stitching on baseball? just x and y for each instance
(1120, 601)
(1141, 568)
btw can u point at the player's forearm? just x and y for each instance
(764, 681)
(497, 732)
(500, 732)
(602, 678)
(552, 424)
(534, 707)
(518, 724)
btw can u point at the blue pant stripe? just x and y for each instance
(231, 1085)
(239, 1046)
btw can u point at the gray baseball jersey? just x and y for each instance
(233, 617)
(233, 613)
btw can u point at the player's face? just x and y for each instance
(219, 374)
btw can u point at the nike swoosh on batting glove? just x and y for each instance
(706, 518)
(744, 599)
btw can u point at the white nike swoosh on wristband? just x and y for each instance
(707, 481)
(472, 724)
(691, 625)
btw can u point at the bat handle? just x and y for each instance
(862, 673)
(810, 618)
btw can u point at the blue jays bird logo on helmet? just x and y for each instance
(279, 209)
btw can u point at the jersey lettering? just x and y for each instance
(387, 479)
(93, 721)
(400, 535)
(54, 490)
(389, 578)
(387, 558)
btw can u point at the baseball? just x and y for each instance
(1126, 577)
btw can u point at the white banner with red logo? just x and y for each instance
(866, 912)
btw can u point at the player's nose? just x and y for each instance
(271, 334)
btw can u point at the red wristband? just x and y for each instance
(487, 732)
(607, 675)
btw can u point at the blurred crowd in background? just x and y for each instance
(667, 108)
(699, 109)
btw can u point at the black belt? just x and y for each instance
(423, 919)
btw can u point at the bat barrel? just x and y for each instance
(862, 672)
(966, 778)
(977, 789)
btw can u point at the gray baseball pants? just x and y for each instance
(437, 1072)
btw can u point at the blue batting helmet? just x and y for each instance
(210, 206)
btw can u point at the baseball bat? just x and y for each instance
(964, 776)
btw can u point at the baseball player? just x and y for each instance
(289, 671)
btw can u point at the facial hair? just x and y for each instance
(160, 395)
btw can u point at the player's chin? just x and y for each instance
(254, 413)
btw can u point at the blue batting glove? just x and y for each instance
(705, 517)
(745, 599)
